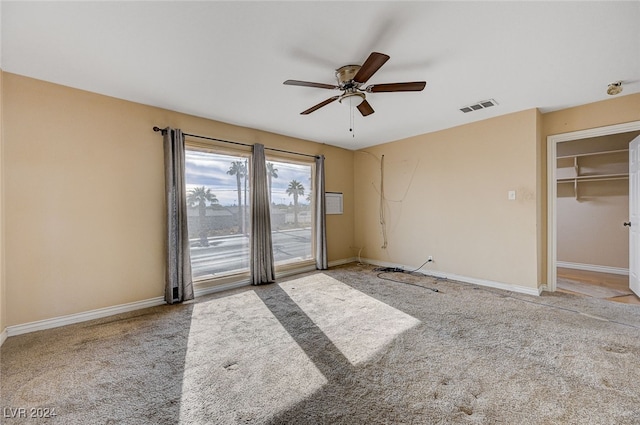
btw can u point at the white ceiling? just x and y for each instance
(227, 60)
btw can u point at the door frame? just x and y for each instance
(552, 188)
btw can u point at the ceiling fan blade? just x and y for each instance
(309, 84)
(370, 66)
(365, 109)
(380, 88)
(320, 105)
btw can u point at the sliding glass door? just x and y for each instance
(290, 187)
(218, 207)
(218, 212)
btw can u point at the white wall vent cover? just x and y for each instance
(480, 105)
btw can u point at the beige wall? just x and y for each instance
(616, 110)
(446, 196)
(84, 197)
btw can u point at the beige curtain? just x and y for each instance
(178, 282)
(262, 263)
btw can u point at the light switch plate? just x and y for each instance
(512, 195)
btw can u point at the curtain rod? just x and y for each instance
(161, 130)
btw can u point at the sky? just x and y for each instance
(210, 170)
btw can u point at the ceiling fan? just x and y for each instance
(350, 81)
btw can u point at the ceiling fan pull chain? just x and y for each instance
(351, 108)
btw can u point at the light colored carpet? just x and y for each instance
(338, 347)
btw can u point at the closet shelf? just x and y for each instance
(593, 178)
(606, 169)
(592, 153)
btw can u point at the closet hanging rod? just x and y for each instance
(163, 131)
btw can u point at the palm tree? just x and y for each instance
(198, 197)
(295, 189)
(245, 218)
(272, 172)
(239, 170)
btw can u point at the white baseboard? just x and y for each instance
(82, 317)
(109, 311)
(3, 336)
(137, 305)
(593, 268)
(465, 279)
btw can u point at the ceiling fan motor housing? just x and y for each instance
(345, 75)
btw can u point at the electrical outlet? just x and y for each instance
(430, 259)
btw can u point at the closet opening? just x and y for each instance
(588, 189)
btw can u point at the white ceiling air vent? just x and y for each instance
(480, 105)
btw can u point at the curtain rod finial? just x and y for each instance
(161, 130)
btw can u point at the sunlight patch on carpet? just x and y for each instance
(240, 362)
(357, 324)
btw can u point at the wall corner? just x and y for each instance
(541, 201)
(3, 298)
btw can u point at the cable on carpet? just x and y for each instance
(384, 270)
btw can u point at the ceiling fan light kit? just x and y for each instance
(351, 98)
(351, 78)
